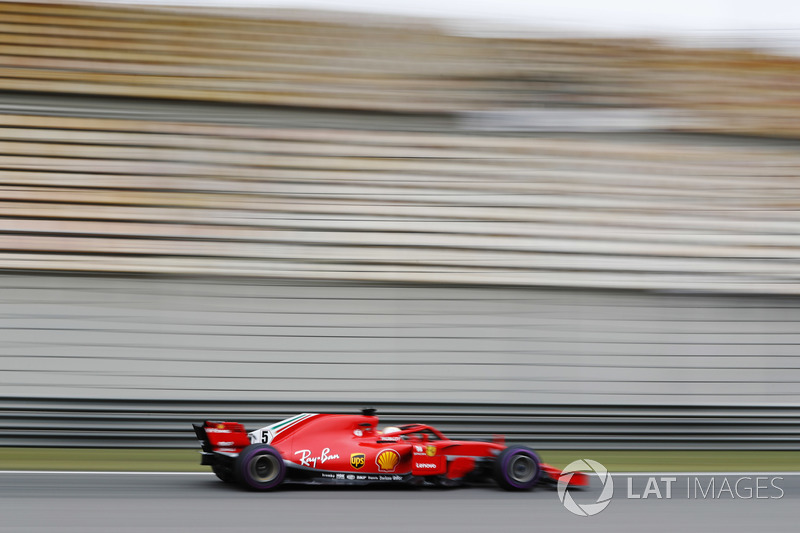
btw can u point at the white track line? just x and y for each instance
(654, 474)
(613, 474)
(103, 473)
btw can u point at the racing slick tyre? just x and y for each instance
(224, 473)
(517, 468)
(259, 467)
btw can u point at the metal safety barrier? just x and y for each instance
(167, 424)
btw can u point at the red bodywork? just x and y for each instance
(350, 449)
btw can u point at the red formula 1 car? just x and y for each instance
(349, 450)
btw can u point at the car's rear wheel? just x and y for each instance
(517, 468)
(259, 467)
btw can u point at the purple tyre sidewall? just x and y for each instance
(504, 467)
(245, 473)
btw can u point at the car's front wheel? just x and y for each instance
(259, 467)
(517, 468)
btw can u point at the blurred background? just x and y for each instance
(579, 238)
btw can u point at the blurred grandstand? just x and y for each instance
(309, 158)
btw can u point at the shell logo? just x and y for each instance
(387, 460)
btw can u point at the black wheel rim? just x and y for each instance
(522, 469)
(264, 468)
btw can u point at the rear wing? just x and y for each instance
(221, 437)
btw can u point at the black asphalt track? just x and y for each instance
(199, 503)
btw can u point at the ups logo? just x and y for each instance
(357, 460)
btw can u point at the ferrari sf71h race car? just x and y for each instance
(350, 450)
